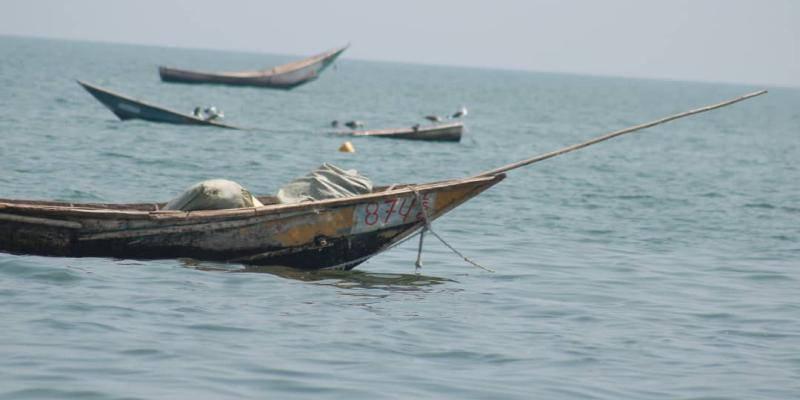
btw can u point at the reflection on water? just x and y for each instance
(342, 279)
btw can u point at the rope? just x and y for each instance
(428, 228)
(418, 264)
(614, 134)
(467, 259)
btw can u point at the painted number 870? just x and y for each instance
(395, 211)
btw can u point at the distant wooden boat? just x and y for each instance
(285, 76)
(127, 108)
(325, 234)
(450, 132)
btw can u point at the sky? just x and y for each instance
(738, 41)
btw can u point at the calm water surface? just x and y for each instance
(664, 265)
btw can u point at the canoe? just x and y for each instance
(450, 132)
(126, 108)
(285, 76)
(327, 234)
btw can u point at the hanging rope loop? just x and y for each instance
(427, 228)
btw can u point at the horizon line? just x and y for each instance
(405, 62)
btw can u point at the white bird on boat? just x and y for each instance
(208, 113)
(212, 113)
(460, 113)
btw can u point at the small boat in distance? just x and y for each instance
(127, 108)
(287, 76)
(438, 133)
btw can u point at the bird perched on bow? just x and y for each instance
(460, 113)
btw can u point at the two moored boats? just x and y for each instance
(286, 76)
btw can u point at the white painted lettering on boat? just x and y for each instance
(129, 108)
(389, 212)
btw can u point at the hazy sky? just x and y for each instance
(748, 41)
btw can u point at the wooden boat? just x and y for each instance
(335, 234)
(285, 76)
(326, 234)
(450, 132)
(128, 108)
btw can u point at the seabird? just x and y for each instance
(334, 123)
(460, 113)
(433, 118)
(353, 124)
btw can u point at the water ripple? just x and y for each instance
(656, 266)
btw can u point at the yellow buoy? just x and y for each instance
(347, 147)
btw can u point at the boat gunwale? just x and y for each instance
(191, 225)
(75, 209)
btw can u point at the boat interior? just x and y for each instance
(265, 200)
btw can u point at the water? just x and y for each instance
(661, 265)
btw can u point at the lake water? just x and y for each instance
(660, 265)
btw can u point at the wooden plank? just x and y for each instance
(40, 221)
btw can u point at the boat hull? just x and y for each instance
(329, 234)
(436, 133)
(281, 77)
(126, 108)
(286, 82)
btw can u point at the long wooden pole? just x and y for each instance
(614, 134)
